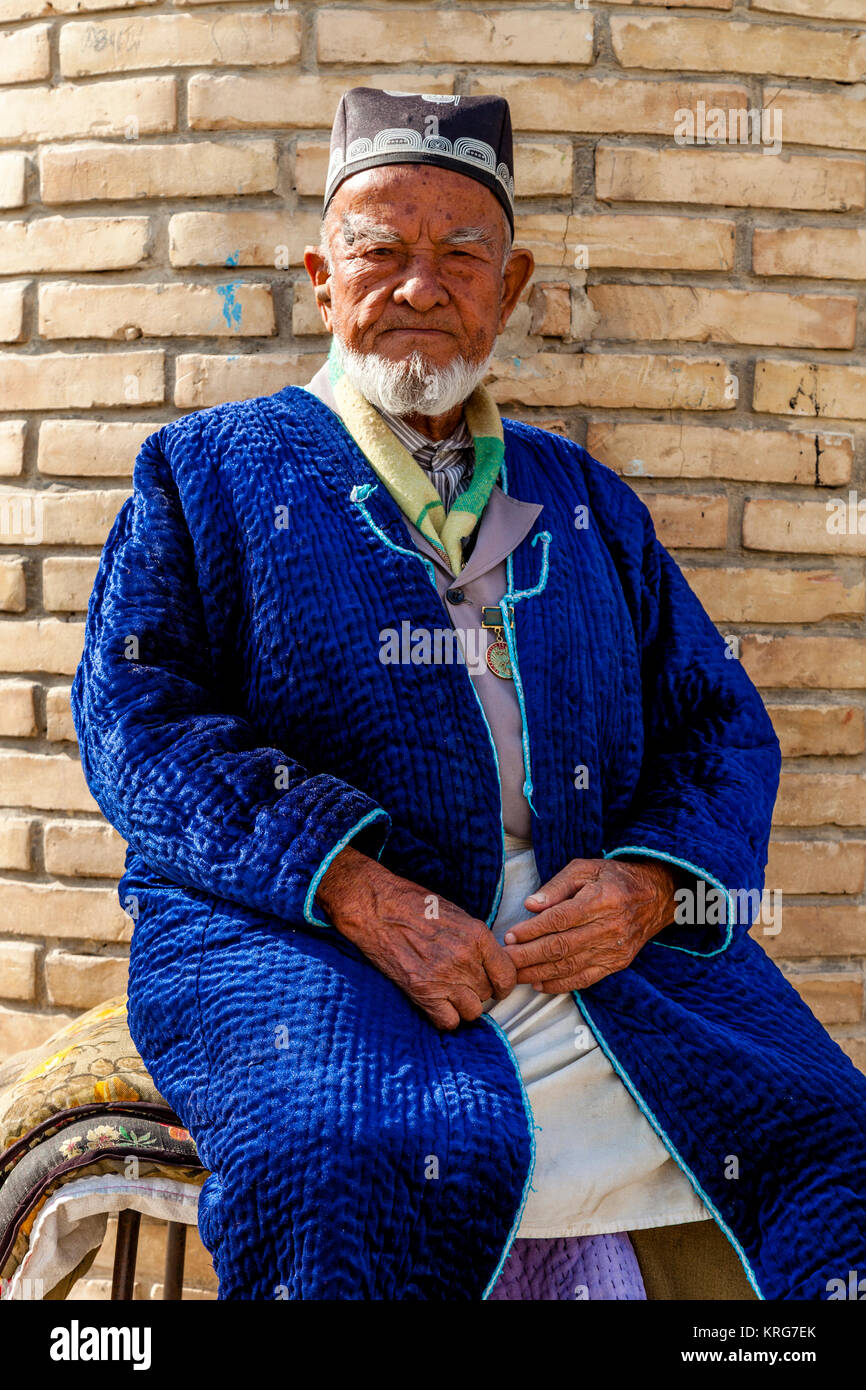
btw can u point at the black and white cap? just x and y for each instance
(471, 135)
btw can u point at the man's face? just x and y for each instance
(417, 265)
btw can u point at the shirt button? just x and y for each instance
(455, 595)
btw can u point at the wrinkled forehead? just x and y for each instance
(405, 202)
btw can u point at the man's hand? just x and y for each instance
(448, 965)
(591, 920)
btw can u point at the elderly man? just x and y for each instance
(443, 799)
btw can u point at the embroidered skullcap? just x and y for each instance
(471, 135)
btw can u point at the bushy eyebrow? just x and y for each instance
(356, 227)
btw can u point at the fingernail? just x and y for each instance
(510, 937)
(537, 898)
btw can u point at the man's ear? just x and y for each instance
(518, 272)
(317, 270)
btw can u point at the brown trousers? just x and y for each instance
(693, 1261)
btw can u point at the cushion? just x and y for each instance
(81, 1104)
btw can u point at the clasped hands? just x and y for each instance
(590, 920)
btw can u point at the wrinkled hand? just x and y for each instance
(590, 920)
(448, 965)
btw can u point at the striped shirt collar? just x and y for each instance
(449, 463)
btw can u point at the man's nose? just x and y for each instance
(421, 285)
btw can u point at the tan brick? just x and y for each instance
(649, 243)
(34, 9)
(124, 312)
(820, 118)
(24, 55)
(819, 866)
(91, 448)
(13, 176)
(17, 709)
(545, 234)
(265, 238)
(20, 1030)
(55, 911)
(83, 849)
(834, 998)
(816, 730)
(311, 167)
(305, 101)
(129, 108)
(775, 595)
(826, 253)
(831, 527)
(826, 390)
(227, 40)
(855, 1048)
(67, 380)
(729, 177)
(603, 105)
(83, 982)
(73, 243)
(65, 518)
(306, 318)
(647, 450)
(672, 4)
(810, 9)
(41, 644)
(18, 969)
(198, 169)
(541, 168)
(13, 586)
(501, 36)
(693, 522)
(58, 715)
(641, 381)
(13, 434)
(67, 581)
(805, 662)
(15, 841)
(693, 313)
(821, 798)
(203, 381)
(550, 302)
(729, 45)
(12, 310)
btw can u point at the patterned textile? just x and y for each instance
(471, 135)
(448, 463)
(406, 481)
(100, 1144)
(80, 1103)
(355, 1151)
(88, 1063)
(575, 1267)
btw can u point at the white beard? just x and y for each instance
(402, 388)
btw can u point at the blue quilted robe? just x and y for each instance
(237, 726)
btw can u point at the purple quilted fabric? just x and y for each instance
(571, 1267)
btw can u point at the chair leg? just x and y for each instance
(175, 1250)
(125, 1252)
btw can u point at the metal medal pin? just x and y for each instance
(496, 656)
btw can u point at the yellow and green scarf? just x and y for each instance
(406, 480)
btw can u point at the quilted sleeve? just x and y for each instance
(185, 780)
(710, 767)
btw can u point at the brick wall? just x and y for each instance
(697, 319)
